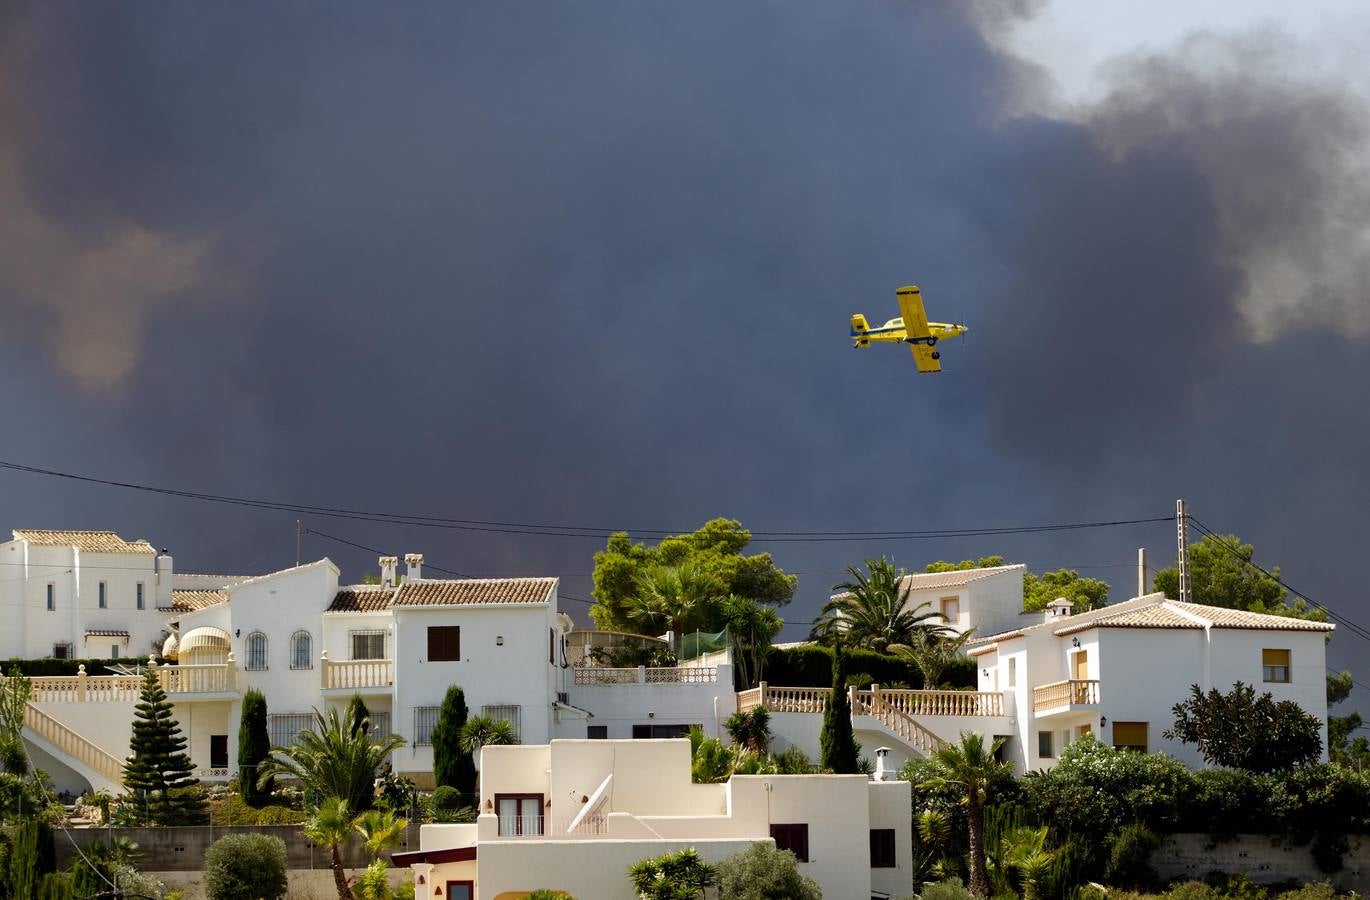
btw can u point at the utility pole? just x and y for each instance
(1182, 539)
(1141, 571)
(299, 531)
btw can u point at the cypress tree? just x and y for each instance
(836, 744)
(254, 746)
(451, 765)
(158, 772)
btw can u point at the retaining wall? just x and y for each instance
(1262, 858)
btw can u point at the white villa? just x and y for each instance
(307, 642)
(575, 814)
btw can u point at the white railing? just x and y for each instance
(83, 688)
(909, 703)
(871, 703)
(195, 679)
(545, 826)
(1075, 692)
(646, 675)
(73, 745)
(357, 673)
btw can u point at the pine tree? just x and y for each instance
(451, 765)
(158, 772)
(836, 744)
(254, 746)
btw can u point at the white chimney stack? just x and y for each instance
(413, 566)
(388, 564)
(881, 772)
(1058, 609)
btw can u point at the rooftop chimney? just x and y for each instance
(1058, 609)
(413, 566)
(388, 564)
(881, 773)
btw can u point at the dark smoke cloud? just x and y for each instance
(594, 265)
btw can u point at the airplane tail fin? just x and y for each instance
(859, 325)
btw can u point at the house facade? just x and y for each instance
(573, 815)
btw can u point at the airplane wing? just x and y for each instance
(923, 356)
(911, 308)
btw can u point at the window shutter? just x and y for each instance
(444, 643)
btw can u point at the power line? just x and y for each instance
(567, 531)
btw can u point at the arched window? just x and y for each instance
(256, 651)
(301, 655)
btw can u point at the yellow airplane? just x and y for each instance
(912, 328)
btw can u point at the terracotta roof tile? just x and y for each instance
(85, 541)
(362, 599)
(192, 601)
(1174, 614)
(923, 581)
(474, 591)
(106, 632)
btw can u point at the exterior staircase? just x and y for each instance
(91, 762)
(898, 723)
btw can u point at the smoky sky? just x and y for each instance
(593, 264)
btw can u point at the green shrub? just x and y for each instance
(1193, 890)
(951, 889)
(1236, 885)
(231, 810)
(245, 867)
(50, 667)
(1328, 849)
(446, 797)
(811, 666)
(1129, 857)
(1318, 890)
(545, 894)
(761, 872)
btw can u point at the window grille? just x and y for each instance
(301, 650)
(368, 644)
(285, 727)
(380, 724)
(505, 713)
(425, 717)
(140, 595)
(61, 651)
(256, 652)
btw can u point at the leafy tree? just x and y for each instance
(357, 714)
(158, 771)
(1242, 731)
(984, 562)
(452, 766)
(32, 855)
(933, 653)
(837, 750)
(254, 746)
(1083, 593)
(751, 626)
(751, 729)
(15, 692)
(675, 599)
(1341, 746)
(379, 830)
(679, 875)
(330, 826)
(872, 610)
(1221, 574)
(971, 767)
(332, 760)
(761, 872)
(480, 731)
(716, 550)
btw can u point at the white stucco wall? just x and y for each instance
(619, 707)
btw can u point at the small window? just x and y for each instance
(641, 732)
(1129, 736)
(218, 751)
(102, 600)
(444, 643)
(1046, 745)
(425, 717)
(505, 713)
(301, 650)
(1275, 666)
(883, 849)
(597, 732)
(369, 644)
(52, 597)
(61, 651)
(794, 838)
(551, 645)
(138, 596)
(951, 608)
(256, 652)
(113, 651)
(1012, 672)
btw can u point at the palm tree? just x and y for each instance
(673, 598)
(380, 831)
(972, 767)
(480, 731)
(330, 825)
(332, 760)
(752, 626)
(872, 610)
(932, 653)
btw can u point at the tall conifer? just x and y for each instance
(836, 743)
(158, 773)
(254, 746)
(452, 766)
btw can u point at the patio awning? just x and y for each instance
(206, 637)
